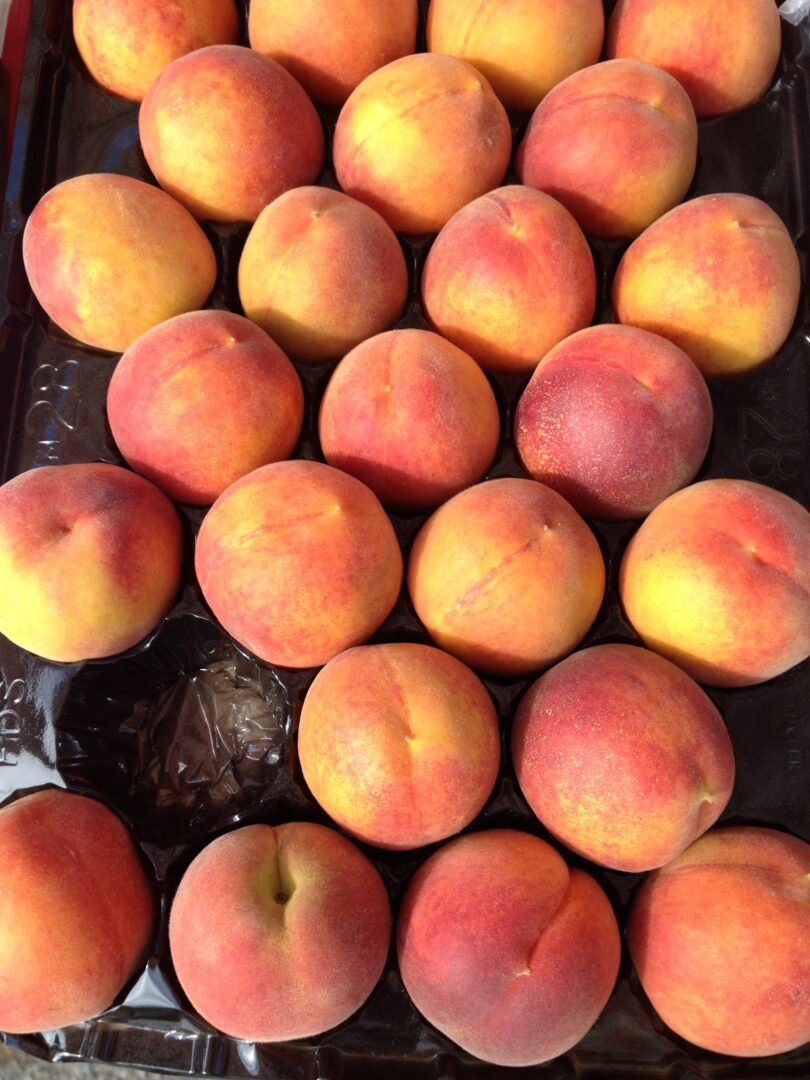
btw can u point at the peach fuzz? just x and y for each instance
(412, 416)
(150, 253)
(615, 419)
(723, 52)
(506, 950)
(321, 272)
(718, 579)
(719, 276)
(331, 48)
(202, 400)
(298, 561)
(637, 122)
(126, 44)
(522, 47)
(622, 757)
(508, 278)
(719, 940)
(419, 139)
(506, 576)
(226, 130)
(77, 911)
(90, 560)
(279, 933)
(399, 744)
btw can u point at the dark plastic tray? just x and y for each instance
(186, 737)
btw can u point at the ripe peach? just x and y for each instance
(718, 276)
(724, 52)
(201, 400)
(279, 933)
(522, 47)
(622, 757)
(419, 138)
(506, 576)
(615, 419)
(399, 743)
(320, 273)
(412, 416)
(127, 43)
(76, 910)
(90, 560)
(508, 278)
(331, 48)
(506, 950)
(719, 940)
(637, 122)
(151, 255)
(226, 130)
(718, 580)
(298, 562)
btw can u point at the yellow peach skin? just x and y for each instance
(523, 47)
(127, 43)
(719, 276)
(109, 257)
(718, 579)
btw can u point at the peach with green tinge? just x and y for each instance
(524, 48)
(321, 272)
(109, 257)
(509, 277)
(506, 576)
(90, 560)
(330, 48)
(419, 139)
(633, 119)
(622, 757)
(506, 950)
(718, 579)
(412, 416)
(279, 933)
(399, 743)
(226, 130)
(202, 400)
(127, 43)
(298, 561)
(718, 276)
(719, 940)
(77, 911)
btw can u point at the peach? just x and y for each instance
(150, 254)
(718, 276)
(331, 48)
(622, 757)
(279, 933)
(320, 273)
(202, 400)
(419, 138)
(226, 131)
(723, 52)
(637, 122)
(506, 576)
(522, 47)
(77, 911)
(615, 419)
(508, 278)
(505, 949)
(412, 416)
(127, 43)
(90, 560)
(718, 580)
(719, 940)
(399, 744)
(298, 562)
